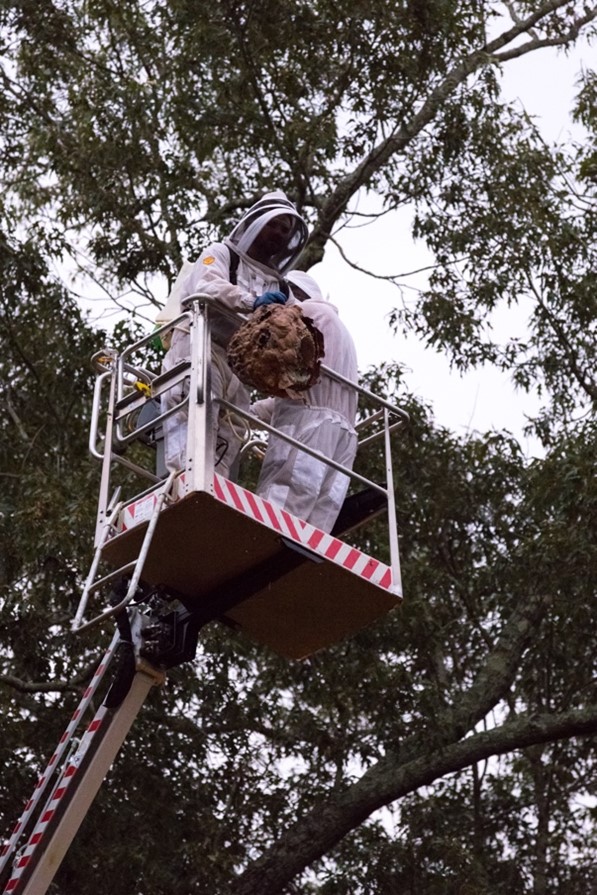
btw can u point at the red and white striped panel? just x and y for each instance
(65, 739)
(268, 514)
(307, 535)
(137, 512)
(50, 809)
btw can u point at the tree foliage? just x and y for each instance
(447, 748)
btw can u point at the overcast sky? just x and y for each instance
(543, 83)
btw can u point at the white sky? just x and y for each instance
(543, 83)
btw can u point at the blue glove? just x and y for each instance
(269, 298)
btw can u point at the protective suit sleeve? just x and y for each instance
(264, 409)
(210, 275)
(172, 307)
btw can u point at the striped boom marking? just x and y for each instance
(67, 736)
(58, 794)
(307, 535)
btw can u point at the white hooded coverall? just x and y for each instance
(289, 477)
(210, 275)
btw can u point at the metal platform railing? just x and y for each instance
(128, 417)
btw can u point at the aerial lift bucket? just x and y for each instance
(296, 589)
(190, 548)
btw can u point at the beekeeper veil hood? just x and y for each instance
(306, 284)
(270, 206)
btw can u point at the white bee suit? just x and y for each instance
(290, 478)
(210, 275)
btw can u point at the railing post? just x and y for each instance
(107, 459)
(201, 429)
(392, 521)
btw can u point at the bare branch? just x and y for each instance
(538, 43)
(14, 416)
(337, 203)
(318, 832)
(514, 15)
(23, 686)
(405, 771)
(390, 278)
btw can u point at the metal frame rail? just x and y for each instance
(132, 385)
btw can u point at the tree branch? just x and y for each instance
(539, 43)
(499, 670)
(336, 204)
(320, 831)
(559, 331)
(413, 765)
(16, 683)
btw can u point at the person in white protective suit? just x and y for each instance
(290, 478)
(243, 272)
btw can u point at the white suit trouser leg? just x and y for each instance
(224, 384)
(299, 483)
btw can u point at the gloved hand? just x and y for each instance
(269, 298)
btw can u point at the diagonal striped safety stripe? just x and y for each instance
(318, 541)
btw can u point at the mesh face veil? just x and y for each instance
(271, 206)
